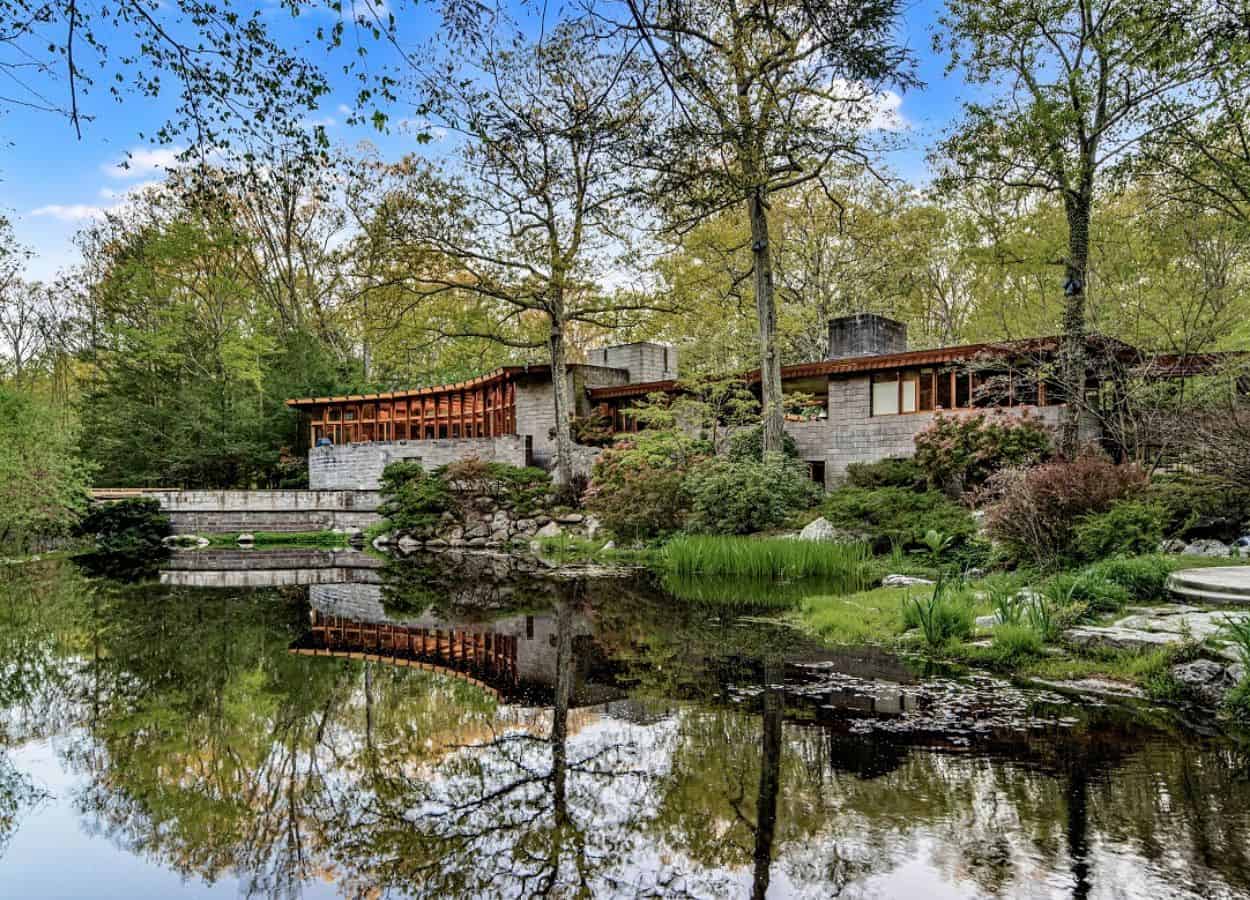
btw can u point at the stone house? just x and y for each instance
(870, 396)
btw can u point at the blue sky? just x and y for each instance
(52, 184)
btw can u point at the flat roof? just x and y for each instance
(500, 374)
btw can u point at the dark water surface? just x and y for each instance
(314, 724)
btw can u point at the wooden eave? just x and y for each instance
(504, 373)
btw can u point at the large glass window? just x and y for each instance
(885, 394)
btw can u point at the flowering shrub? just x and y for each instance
(636, 487)
(958, 454)
(1036, 509)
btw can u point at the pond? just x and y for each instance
(321, 724)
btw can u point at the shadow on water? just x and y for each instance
(325, 723)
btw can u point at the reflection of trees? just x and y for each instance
(518, 814)
(209, 747)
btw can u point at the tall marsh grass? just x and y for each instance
(777, 559)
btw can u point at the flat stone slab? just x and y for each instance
(1217, 584)
(1154, 626)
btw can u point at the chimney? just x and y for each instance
(865, 334)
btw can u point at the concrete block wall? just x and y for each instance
(355, 467)
(851, 435)
(535, 406)
(644, 361)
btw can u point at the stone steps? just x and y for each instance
(1221, 585)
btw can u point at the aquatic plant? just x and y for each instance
(1007, 597)
(941, 615)
(1015, 643)
(766, 558)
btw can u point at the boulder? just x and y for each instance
(409, 545)
(570, 518)
(1206, 547)
(246, 538)
(904, 581)
(550, 530)
(1204, 680)
(610, 545)
(1174, 545)
(820, 529)
(593, 527)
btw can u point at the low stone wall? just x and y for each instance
(216, 512)
(358, 467)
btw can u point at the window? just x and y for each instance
(885, 394)
(909, 392)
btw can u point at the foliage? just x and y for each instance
(1237, 702)
(775, 558)
(594, 430)
(942, 615)
(1237, 631)
(890, 516)
(43, 482)
(134, 526)
(1127, 528)
(1006, 595)
(1094, 592)
(1034, 509)
(636, 487)
(744, 496)
(959, 453)
(902, 472)
(1015, 643)
(1143, 577)
(747, 445)
(1196, 506)
(413, 500)
(523, 488)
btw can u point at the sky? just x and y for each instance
(53, 183)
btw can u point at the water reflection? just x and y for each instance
(357, 738)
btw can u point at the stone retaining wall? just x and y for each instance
(217, 512)
(358, 467)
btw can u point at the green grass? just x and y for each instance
(846, 565)
(281, 539)
(746, 593)
(867, 617)
(565, 549)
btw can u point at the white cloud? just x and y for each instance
(74, 212)
(108, 193)
(143, 161)
(324, 122)
(886, 115)
(417, 126)
(344, 109)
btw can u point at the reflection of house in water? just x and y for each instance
(246, 568)
(514, 658)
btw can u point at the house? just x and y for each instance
(868, 399)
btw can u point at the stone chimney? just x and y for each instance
(865, 334)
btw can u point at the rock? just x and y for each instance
(436, 543)
(541, 520)
(593, 527)
(381, 541)
(1207, 547)
(246, 538)
(500, 520)
(1172, 546)
(1204, 680)
(610, 545)
(1242, 543)
(408, 544)
(1120, 638)
(525, 525)
(550, 530)
(348, 531)
(903, 581)
(820, 529)
(570, 519)
(987, 621)
(1237, 672)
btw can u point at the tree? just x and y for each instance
(538, 211)
(43, 482)
(765, 97)
(1078, 85)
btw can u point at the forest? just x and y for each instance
(713, 175)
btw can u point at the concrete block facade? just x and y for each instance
(644, 361)
(851, 435)
(358, 467)
(865, 334)
(535, 405)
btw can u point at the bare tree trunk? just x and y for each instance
(766, 310)
(770, 777)
(563, 472)
(1072, 351)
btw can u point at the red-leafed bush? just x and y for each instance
(1036, 510)
(959, 453)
